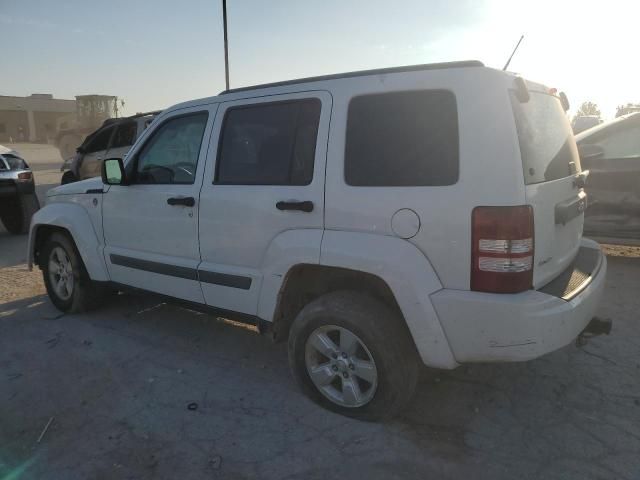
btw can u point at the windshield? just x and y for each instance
(547, 146)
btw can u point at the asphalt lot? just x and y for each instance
(118, 381)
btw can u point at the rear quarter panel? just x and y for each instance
(490, 168)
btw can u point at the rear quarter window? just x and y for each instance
(547, 145)
(402, 139)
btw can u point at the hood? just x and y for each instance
(76, 188)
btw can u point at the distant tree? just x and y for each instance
(628, 108)
(588, 109)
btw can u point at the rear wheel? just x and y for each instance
(65, 277)
(353, 354)
(16, 212)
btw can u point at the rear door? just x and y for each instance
(268, 178)
(151, 224)
(550, 165)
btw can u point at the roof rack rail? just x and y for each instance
(143, 114)
(362, 73)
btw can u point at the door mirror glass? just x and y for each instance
(113, 172)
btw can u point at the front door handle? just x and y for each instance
(185, 201)
(306, 206)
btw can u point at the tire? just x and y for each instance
(81, 293)
(17, 213)
(380, 333)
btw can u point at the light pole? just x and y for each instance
(226, 47)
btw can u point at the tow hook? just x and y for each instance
(597, 326)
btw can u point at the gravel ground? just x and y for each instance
(116, 384)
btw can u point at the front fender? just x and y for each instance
(74, 219)
(409, 275)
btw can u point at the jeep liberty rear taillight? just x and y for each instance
(502, 249)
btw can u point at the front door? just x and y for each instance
(265, 179)
(151, 225)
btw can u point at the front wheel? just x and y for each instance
(353, 354)
(65, 277)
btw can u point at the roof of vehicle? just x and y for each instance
(112, 121)
(587, 133)
(362, 73)
(337, 76)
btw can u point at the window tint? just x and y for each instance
(621, 143)
(269, 144)
(402, 139)
(547, 145)
(171, 154)
(125, 135)
(100, 140)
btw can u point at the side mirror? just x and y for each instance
(589, 151)
(113, 172)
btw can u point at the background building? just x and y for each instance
(36, 118)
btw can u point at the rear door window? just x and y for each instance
(269, 144)
(402, 139)
(547, 145)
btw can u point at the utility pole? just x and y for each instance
(226, 46)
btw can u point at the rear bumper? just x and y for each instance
(485, 327)
(12, 188)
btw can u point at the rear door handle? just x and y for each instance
(185, 201)
(305, 206)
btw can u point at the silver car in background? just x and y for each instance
(113, 139)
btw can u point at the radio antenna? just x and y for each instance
(506, 65)
(226, 44)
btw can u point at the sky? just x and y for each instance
(153, 54)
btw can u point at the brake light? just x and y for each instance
(25, 176)
(502, 249)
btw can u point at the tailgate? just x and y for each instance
(551, 168)
(558, 212)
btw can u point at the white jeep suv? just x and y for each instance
(375, 219)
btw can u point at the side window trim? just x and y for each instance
(252, 103)
(131, 166)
